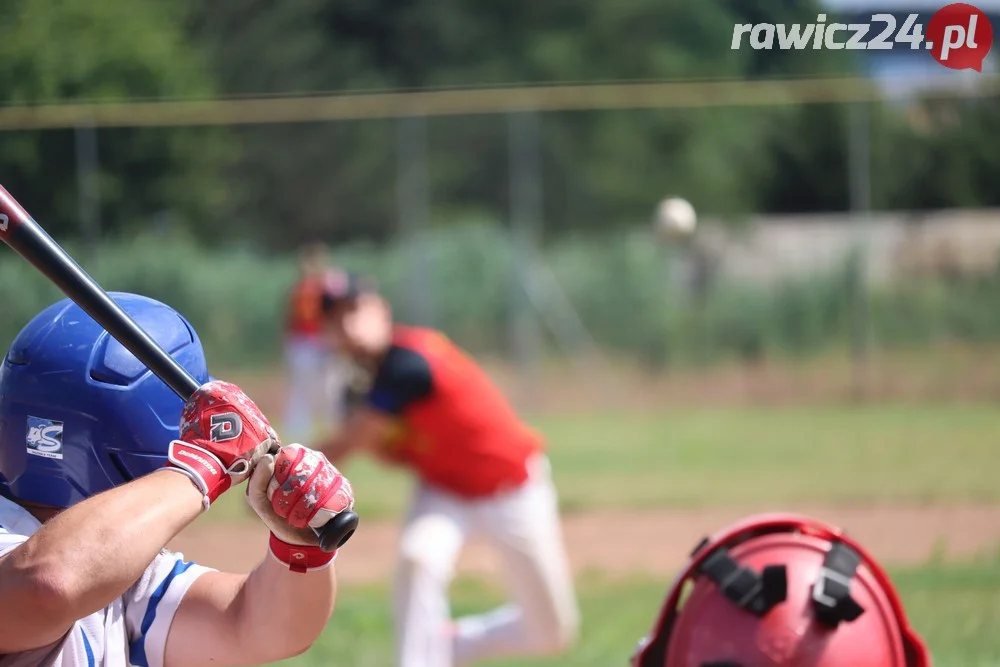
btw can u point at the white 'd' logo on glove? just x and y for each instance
(226, 426)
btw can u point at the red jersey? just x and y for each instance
(456, 429)
(305, 307)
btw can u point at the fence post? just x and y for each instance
(859, 175)
(413, 209)
(88, 194)
(525, 217)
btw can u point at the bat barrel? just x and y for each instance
(28, 239)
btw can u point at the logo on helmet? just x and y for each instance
(226, 426)
(4, 222)
(44, 437)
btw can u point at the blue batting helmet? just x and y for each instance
(78, 413)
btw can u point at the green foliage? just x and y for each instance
(948, 158)
(108, 50)
(233, 301)
(338, 181)
(617, 283)
(278, 185)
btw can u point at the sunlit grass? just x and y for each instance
(743, 457)
(956, 608)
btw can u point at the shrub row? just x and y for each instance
(617, 286)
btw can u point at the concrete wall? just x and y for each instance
(897, 245)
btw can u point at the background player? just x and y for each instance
(480, 471)
(97, 477)
(316, 375)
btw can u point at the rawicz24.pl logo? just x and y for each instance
(959, 35)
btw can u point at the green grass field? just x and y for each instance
(913, 455)
(743, 457)
(956, 609)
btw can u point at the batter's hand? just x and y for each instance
(296, 490)
(222, 436)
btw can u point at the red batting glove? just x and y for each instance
(293, 492)
(222, 436)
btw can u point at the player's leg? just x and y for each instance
(337, 373)
(297, 424)
(543, 616)
(320, 402)
(308, 401)
(432, 537)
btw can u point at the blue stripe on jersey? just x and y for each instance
(86, 647)
(137, 651)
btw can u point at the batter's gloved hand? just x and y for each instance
(292, 492)
(222, 436)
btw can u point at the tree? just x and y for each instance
(80, 50)
(308, 181)
(601, 168)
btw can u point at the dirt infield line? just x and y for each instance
(622, 543)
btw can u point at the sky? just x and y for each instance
(900, 70)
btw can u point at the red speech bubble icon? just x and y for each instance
(959, 36)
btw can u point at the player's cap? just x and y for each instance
(79, 414)
(343, 286)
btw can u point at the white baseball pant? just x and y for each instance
(316, 383)
(523, 526)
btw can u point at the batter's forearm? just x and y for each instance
(292, 608)
(88, 555)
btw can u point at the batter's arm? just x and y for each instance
(228, 620)
(85, 557)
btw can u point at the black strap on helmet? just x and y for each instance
(831, 594)
(756, 593)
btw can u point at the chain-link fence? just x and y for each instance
(496, 217)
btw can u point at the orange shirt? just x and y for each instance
(456, 429)
(305, 303)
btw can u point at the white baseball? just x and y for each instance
(676, 217)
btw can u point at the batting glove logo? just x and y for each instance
(226, 426)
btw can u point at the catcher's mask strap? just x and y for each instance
(831, 594)
(756, 593)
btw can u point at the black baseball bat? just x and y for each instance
(27, 238)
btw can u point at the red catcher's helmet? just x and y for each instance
(781, 590)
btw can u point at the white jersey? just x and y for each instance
(132, 630)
